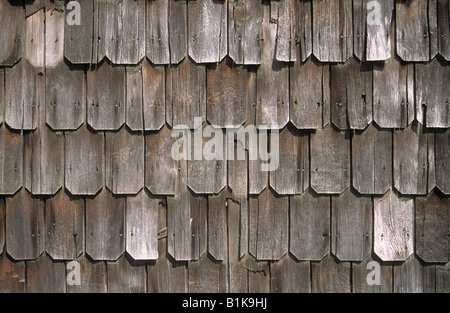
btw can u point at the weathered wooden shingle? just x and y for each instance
(105, 226)
(34, 41)
(290, 276)
(12, 18)
(54, 35)
(12, 275)
(207, 276)
(64, 221)
(45, 276)
(365, 271)
(409, 276)
(237, 169)
(330, 276)
(285, 15)
(443, 28)
(11, 156)
(207, 30)
(393, 227)
(2, 225)
(442, 166)
(93, 276)
(443, 278)
(125, 277)
(217, 225)
(24, 226)
(268, 226)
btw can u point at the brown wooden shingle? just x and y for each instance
(12, 18)
(125, 277)
(45, 276)
(11, 157)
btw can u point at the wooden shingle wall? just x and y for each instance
(358, 91)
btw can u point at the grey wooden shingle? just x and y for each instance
(154, 96)
(207, 33)
(2, 225)
(443, 278)
(268, 226)
(2, 95)
(13, 18)
(105, 226)
(125, 277)
(11, 157)
(290, 276)
(34, 41)
(443, 28)
(364, 272)
(351, 226)
(64, 219)
(24, 226)
(54, 35)
(93, 276)
(45, 276)
(330, 276)
(142, 226)
(65, 97)
(217, 225)
(84, 162)
(372, 160)
(442, 153)
(258, 275)
(206, 275)
(409, 276)
(310, 94)
(393, 227)
(106, 97)
(432, 224)
(238, 171)
(245, 31)
(166, 31)
(332, 30)
(351, 94)
(286, 12)
(12, 275)
(309, 227)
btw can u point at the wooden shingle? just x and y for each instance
(34, 41)
(154, 96)
(45, 276)
(443, 28)
(330, 276)
(285, 12)
(290, 276)
(443, 278)
(2, 225)
(365, 271)
(54, 35)
(217, 225)
(409, 276)
(442, 166)
(12, 18)
(11, 157)
(238, 171)
(2, 95)
(93, 276)
(125, 277)
(207, 276)
(12, 275)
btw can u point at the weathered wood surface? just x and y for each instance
(393, 227)
(245, 31)
(54, 35)
(23, 96)
(330, 161)
(185, 93)
(12, 275)
(2, 225)
(310, 94)
(443, 278)
(12, 18)
(351, 94)
(393, 93)
(372, 160)
(412, 160)
(45, 276)
(237, 169)
(134, 97)
(258, 275)
(34, 41)
(290, 276)
(105, 226)
(125, 31)
(292, 175)
(226, 94)
(268, 226)
(142, 226)
(84, 162)
(409, 276)
(351, 228)
(64, 221)
(332, 30)
(330, 276)
(365, 272)
(309, 229)
(125, 277)
(93, 276)
(24, 226)
(207, 276)
(124, 162)
(218, 226)
(11, 160)
(2, 95)
(432, 225)
(106, 97)
(33, 6)
(207, 33)
(442, 166)
(186, 226)
(443, 28)
(272, 89)
(413, 35)
(432, 97)
(285, 16)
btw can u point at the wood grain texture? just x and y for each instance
(286, 12)
(362, 272)
(351, 95)
(12, 18)
(11, 160)
(218, 226)
(93, 276)
(45, 276)
(330, 276)
(258, 275)
(268, 226)
(154, 96)
(134, 97)
(185, 93)
(64, 221)
(443, 278)
(105, 226)
(409, 276)
(443, 29)
(432, 217)
(351, 226)
(34, 41)
(2, 225)
(106, 97)
(2, 95)
(238, 171)
(442, 166)
(332, 30)
(292, 175)
(393, 227)
(124, 162)
(272, 89)
(310, 94)
(309, 229)
(245, 31)
(84, 161)
(24, 226)
(393, 93)
(432, 98)
(54, 35)
(290, 276)
(22, 96)
(207, 31)
(142, 226)
(12, 275)
(207, 276)
(125, 31)
(412, 30)
(65, 96)
(372, 160)
(125, 277)
(330, 161)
